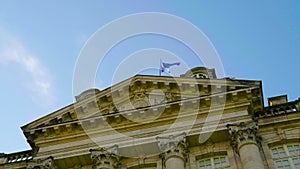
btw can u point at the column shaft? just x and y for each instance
(174, 163)
(245, 142)
(250, 157)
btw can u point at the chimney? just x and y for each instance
(272, 101)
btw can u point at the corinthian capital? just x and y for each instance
(105, 158)
(47, 163)
(243, 133)
(173, 145)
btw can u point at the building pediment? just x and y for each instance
(140, 95)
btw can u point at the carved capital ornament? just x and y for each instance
(105, 158)
(47, 163)
(173, 146)
(243, 133)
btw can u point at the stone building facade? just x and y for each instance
(195, 121)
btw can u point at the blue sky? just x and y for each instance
(40, 43)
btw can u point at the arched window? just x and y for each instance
(200, 76)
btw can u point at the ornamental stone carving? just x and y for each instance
(173, 146)
(243, 133)
(140, 100)
(281, 133)
(105, 158)
(244, 141)
(47, 163)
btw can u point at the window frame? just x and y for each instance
(288, 157)
(212, 162)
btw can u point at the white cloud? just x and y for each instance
(14, 54)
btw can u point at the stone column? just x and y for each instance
(244, 141)
(174, 150)
(105, 158)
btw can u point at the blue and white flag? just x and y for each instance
(165, 67)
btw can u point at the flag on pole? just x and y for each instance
(165, 67)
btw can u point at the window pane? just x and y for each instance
(286, 157)
(291, 149)
(286, 164)
(297, 149)
(278, 164)
(217, 160)
(224, 162)
(218, 165)
(294, 149)
(281, 152)
(201, 163)
(223, 159)
(207, 162)
(282, 164)
(278, 152)
(296, 162)
(214, 163)
(275, 154)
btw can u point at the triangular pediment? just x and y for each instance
(140, 84)
(138, 92)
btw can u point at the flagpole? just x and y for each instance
(159, 67)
